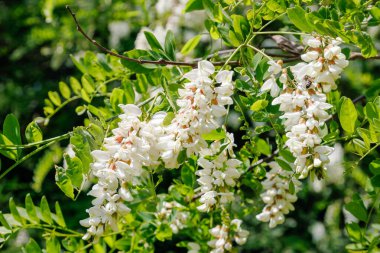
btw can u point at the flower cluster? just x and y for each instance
(171, 212)
(136, 145)
(200, 105)
(120, 165)
(224, 234)
(304, 104)
(218, 175)
(277, 197)
(303, 101)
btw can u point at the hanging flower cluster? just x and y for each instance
(119, 166)
(201, 104)
(138, 144)
(172, 213)
(218, 175)
(303, 100)
(277, 197)
(225, 234)
(304, 103)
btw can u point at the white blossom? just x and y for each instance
(277, 196)
(223, 236)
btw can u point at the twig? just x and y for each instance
(139, 61)
(359, 56)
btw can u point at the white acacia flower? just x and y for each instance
(271, 85)
(277, 197)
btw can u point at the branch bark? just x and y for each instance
(139, 61)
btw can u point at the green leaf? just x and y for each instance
(297, 17)
(70, 244)
(233, 39)
(292, 188)
(79, 110)
(364, 42)
(170, 45)
(287, 155)
(357, 209)
(354, 231)
(85, 96)
(88, 84)
(263, 147)
(65, 90)
(191, 44)
(129, 91)
(15, 213)
(137, 67)
(214, 135)
(153, 42)
(33, 132)
(193, 5)
(54, 97)
(31, 209)
(74, 170)
(118, 97)
(375, 181)
(188, 175)
(163, 232)
(45, 211)
(31, 247)
(168, 118)
(75, 85)
(374, 167)
(284, 165)
(11, 129)
(59, 215)
(11, 153)
(4, 222)
(97, 132)
(80, 141)
(78, 64)
(347, 115)
(375, 12)
(63, 182)
(53, 245)
(259, 105)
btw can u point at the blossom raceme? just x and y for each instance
(119, 165)
(277, 197)
(304, 103)
(218, 175)
(137, 145)
(224, 235)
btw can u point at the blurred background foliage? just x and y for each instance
(37, 38)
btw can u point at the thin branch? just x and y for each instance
(359, 56)
(139, 61)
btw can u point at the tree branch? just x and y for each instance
(139, 61)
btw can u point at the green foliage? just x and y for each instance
(35, 218)
(85, 94)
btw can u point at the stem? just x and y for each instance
(139, 61)
(231, 56)
(27, 157)
(261, 52)
(371, 210)
(279, 32)
(369, 151)
(33, 144)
